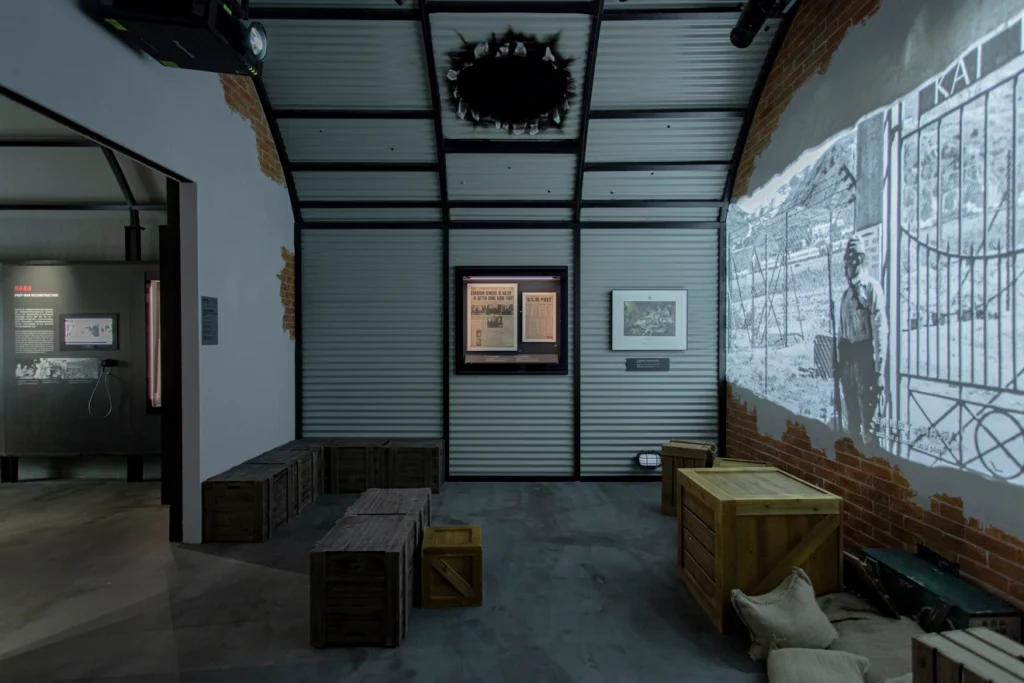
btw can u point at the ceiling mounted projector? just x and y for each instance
(202, 35)
(753, 16)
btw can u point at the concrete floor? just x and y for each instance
(580, 587)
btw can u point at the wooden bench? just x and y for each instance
(361, 581)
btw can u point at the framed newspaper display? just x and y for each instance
(511, 320)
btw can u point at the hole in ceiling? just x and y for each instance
(515, 82)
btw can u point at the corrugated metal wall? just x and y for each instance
(371, 333)
(622, 412)
(515, 425)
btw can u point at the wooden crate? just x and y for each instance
(245, 504)
(737, 462)
(317, 448)
(361, 576)
(353, 465)
(301, 476)
(412, 502)
(975, 655)
(414, 463)
(676, 455)
(748, 528)
(453, 574)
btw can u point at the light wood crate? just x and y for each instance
(737, 462)
(453, 573)
(676, 455)
(975, 655)
(748, 528)
(245, 504)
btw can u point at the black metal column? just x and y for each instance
(170, 360)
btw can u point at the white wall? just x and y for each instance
(241, 392)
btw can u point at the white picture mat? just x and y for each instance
(666, 335)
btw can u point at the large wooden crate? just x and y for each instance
(301, 476)
(453, 573)
(318, 447)
(748, 528)
(354, 465)
(415, 463)
(245, 504)
(675, 455)
(975, 655)
(412, 502)
(361, 576)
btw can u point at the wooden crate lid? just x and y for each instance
(390, 502)
(984, 653)
(747, 483)
(687, 449)
(413, 442)
(250, 472)
(467, 539)
(367, 533)
(279, 457)
(301, 444)
(738, 462)
(360, 442)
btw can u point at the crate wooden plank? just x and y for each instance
(415, 463)
(676, 455)
(453, 567)
(301, 475)
(245, 503)
(751, 527)
(317, 447)
(970, 656)
(361, 576)
(412, 502)
(737, 462)
(354, 465)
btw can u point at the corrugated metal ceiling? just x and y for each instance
(667, 89)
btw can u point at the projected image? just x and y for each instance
(875, 285)
(92, 332)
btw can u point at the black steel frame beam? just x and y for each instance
(360, 167)
(512, 225)
(674, 14)
(332, 14)
(621, 114)
(82, 206)
(48, 144)
(588, 96)
(513, 7)
(349, 114)
(511, 147)
(282, 153)
(651, 204)
(435, 100)
(122, 180)
(511, 204)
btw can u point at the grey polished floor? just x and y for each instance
(580, 587)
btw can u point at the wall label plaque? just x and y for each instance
(209, 320)
(647, 365)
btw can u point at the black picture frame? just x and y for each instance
(515, 365)
(71, 348)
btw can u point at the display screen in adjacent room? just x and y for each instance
(511, 320)
(87, 332)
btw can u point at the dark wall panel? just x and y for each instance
(51, 417)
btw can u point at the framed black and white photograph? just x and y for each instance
(649, 320)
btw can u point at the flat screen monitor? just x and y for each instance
(88, 332)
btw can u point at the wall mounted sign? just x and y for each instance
(649, 320)
(647, 365)
(209, 320)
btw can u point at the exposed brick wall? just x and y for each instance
(287, 278)
(240, 94)
(816, 32)
(879, 506)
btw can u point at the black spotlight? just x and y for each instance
(753, 16)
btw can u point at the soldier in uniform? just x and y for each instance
(863, 335)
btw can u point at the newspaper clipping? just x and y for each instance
(492, 317)
(540, 317)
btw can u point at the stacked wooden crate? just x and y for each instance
(414, 463)
(748, 528)
(677, 454)
(245, 504)
(973, 655)
(362, 580)
(353, 465)
(302, 489)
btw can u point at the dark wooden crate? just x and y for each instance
(414, 463)
(354, 465)
(361, 575)
(245, 504)
(414, 503)
(301, 476)
(318, 448)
